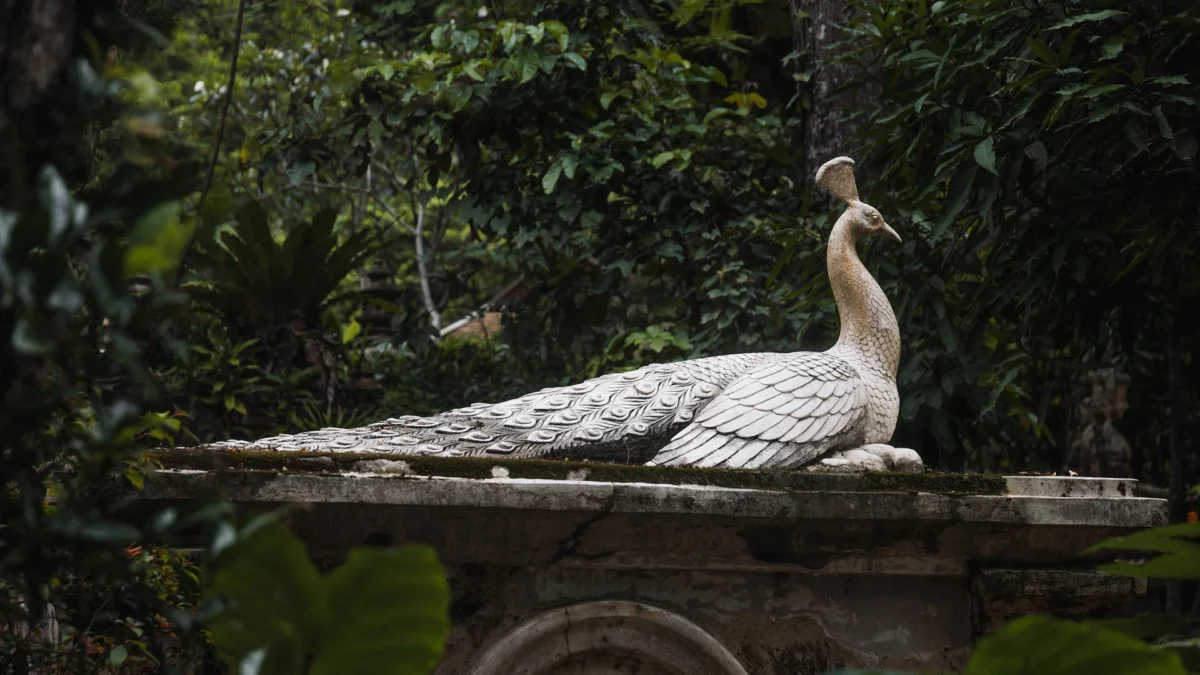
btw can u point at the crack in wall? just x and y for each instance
(572, 542)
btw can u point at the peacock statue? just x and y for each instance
(834, 409)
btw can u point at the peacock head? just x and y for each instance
(864, 220)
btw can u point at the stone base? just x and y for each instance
(635, 573)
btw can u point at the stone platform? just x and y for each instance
(571, 568)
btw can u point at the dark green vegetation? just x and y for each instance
(232, 219)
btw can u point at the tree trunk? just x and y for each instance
(34, 44)
(36, 39)
(816, 26)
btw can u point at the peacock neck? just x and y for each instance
(869, 331)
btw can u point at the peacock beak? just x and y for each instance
(890, 233)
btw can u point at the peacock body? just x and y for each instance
(757, 410)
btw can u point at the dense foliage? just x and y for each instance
(89, 580)
(1044, 158)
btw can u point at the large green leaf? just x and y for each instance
(272, 591)
(387, 613)
(1040, 645)
(383, 611)
(1177, 546)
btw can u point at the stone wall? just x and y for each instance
(580, 575)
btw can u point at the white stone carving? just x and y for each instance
(833, 410)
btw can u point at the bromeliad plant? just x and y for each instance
(258, 283)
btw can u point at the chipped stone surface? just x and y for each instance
(813, 573)
(1005, 594)
(1066, 486)
(503, 492)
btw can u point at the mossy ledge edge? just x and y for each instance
(333, 463)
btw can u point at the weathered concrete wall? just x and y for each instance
(556, 576)
(775, 623)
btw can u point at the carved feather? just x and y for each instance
(784, 413)
(625, 416)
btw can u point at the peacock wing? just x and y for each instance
(784, 413)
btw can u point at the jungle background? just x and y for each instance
(236, 218)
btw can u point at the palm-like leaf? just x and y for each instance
(261, 283)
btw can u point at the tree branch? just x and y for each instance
(368, 193)
(500, 295)
(233, 64)
(216, 153)
(423, 272)
(400, 184)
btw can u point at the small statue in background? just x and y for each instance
(1098, 449)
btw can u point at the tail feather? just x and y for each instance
(617, 412)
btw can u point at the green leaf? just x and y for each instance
(472, 72)
(1113, 47)
(536, 32)
(157, 241)
(957, 197)
(1097, 91)
(118, 655)
(56, 199)
(607, 97)
(298, 172)
(1089, 17)
(985, 155)
(569, 162)
(1039, 645)
(1149, 626)
(135, 478)
(31, 337)
(1177, 548)
(686, 10)
(551, 178)
(559, 31)
(274, 596)
(662, 158)
(715, 113)
(753, 99)
(387, 614)
(470, 40)
(714, 74)
(1170, 80)
(1044, 52)
(1163, 127)
(946, 331)
(577, 60)
(528, 62)
(217, 207)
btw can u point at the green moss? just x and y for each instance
(482, 467)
